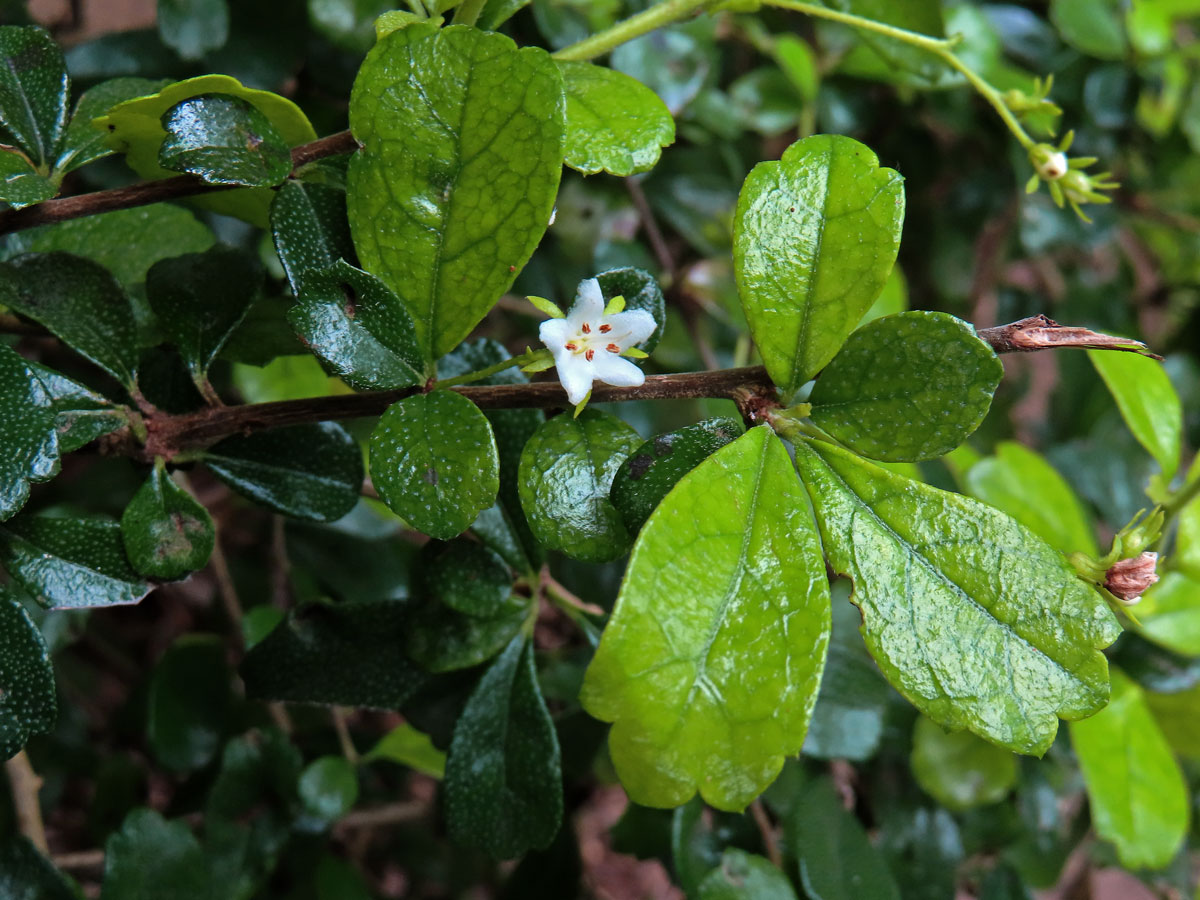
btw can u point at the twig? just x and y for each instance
(565, 596)
(767, 830)
(1041, 333)
(228, 593)
(89, 860)
(25, 786)
(391, 814)
(338, 714)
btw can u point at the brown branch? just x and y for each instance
(61, 209)
(25, 785)
(1042, 333)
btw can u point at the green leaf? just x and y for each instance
(907, 387)
(497, 12)
(1148, 403)
(815, 237)
(745, 876)
(442, 639)
(153, 858)
(167, 533)
(348, 654)
(408, 747)
(358, 327)
(1020, 482)
(654, 468)
(20, 183)
(224, 140)
(135, 129)
(70, 563)
(30, 703)
(1138, 797)
(462, 138)
(970, 615)
(29, 446)
(837, 860)
(615, 123)
(84, 142)
(200, 298)
(80, 303)
(34, 89)
(310, 229)
(312, 472)
(566, 471)
(959, 770)
(1169, 613)
(328, 788)
(1187, 534)
(27, 875)
(1096, 28)
(80, 414)
(349, 24)
(923, 16)
(710, 664)
(641, 291)
(1178, 715)
(193, 28)
(190, 703)
(434, 462)
(503, 780)
(465, 576)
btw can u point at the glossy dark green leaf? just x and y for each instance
(29, 446)
(815, 237)
(80, 414)
(70, 563)
(27, 875)
(29, 704)
(189, 703)
(309, 472)
(654, 468)
(434, 462)
(958, 769)
(83, 142)
(359, 328)
(503, 781)
(442, 639)
(328, 788)
(465, 576)
(462, 138)
(710, 664)
(615, 123)
(837, 860)
(34, 90)
(310, 229)
(1138, 797)
(167, 533)
(745, 876)
(349, 654)
(20, 183)
(907, 387)
(641, 291)
(153, 858)
(566, 471)
(224, 140)
(193, 28)
(80, 303)
(1147, 401)
(200, 298)
(970, 615)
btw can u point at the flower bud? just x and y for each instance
(1127, 579)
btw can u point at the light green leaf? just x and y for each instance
(907, 387)
(190, 703)
(710, 664)
(970, 615)
(434, 462)
(21, 184)
(135, 129)
(153, 858)
(1178, 715)
(1169, 613)
(83, 142)
(312, 472)
(80, 303)
(224, 140)
(26, 677)
(349, 24)
(1147, 401)
(167, 533)
(815, 237)
(1020, 482)
(503, 777)
(566, 471)
(615, 123)
(310, 229)
(193, 28)
(1138, 797)
(70, 563)
(408, 747)
(837, 859)
(1094, 27)
(1187, 534)
(34, 90)
(745, 876)
(29, 445)
(359, 328)
(462, 138)
(891, 300)
(328, 788)
(959, 770)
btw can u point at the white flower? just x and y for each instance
(587, 344)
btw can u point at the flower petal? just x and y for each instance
(555, 333)
(589, 302)
(631, 327)
(614, 370)
(575, 374)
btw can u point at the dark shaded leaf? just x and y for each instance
(29, 445)
(153, 859)
(34, 89)
(190, 703)
(167, 533)
(28, 701)
(310, 229)
(193, 28)
(745, 876)
(80, 414)
(641, 291)
(83, 142)
(27, 875)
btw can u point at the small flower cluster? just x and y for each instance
(1065, 176)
